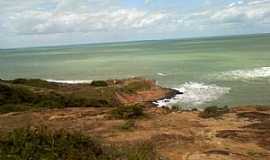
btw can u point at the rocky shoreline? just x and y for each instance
(238, 133)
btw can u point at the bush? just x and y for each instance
(6, 108)
(126, 112)
(24, 144)
(34, 83)
(40, 143)
(12, 96)
(99, 84)
(50, 99)
(214, 112)
(15, 94)
(128, 125)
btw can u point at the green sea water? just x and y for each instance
(221, 70)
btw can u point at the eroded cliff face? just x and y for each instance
(23, 94)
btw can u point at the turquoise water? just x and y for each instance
(221, 70)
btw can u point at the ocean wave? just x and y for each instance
(194, 94)
(162, 74)
(69, 81)
(256, 73)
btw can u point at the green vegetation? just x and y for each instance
(99, 83)
(128, 112)
(254, 154)
(214, 112)
(14, 95)
(22, 94)
(34, 83)
(42, 144)
(136, 86)
(6, 108)
(139, 151)
(128, 125)
(13, 98)
(25, 94)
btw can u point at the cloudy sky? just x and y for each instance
(25, 23)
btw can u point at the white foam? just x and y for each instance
(194, 94)
(69, 81)
(162, 74)
(252, 74)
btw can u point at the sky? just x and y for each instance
(30, 23)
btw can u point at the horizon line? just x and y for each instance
(132, 41)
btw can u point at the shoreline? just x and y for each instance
(121, 113)
(37, 92)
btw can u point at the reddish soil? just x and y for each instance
(241, 134)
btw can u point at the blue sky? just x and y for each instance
(59, 22)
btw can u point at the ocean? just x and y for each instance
(232, 70)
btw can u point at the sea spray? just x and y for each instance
(194, 94)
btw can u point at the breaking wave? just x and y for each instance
(69, 81)
(256, 73)
(162, 74)
(194, 94)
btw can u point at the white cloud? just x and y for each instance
(88, 17)
(40, 22)
(108, 18)
(255, 2)
(235, 13)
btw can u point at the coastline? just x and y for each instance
(213, 134)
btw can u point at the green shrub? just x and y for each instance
(34, 83)
(6, 108)
(140, 151)
(15, 94)
(128, 125)
(42, 144)
(214, 112)
(126, 112)
(99, 84)
(50, 99)
(26, 144)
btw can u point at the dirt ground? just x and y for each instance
(241, 134)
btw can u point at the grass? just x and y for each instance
(34, 83)
(36, 93)
(136, 86)
(16, 94)
(6, 108)
(254, 154)
(214, 112)
(128, 125)
(42, 144)
(140, 151)
(128, 112)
